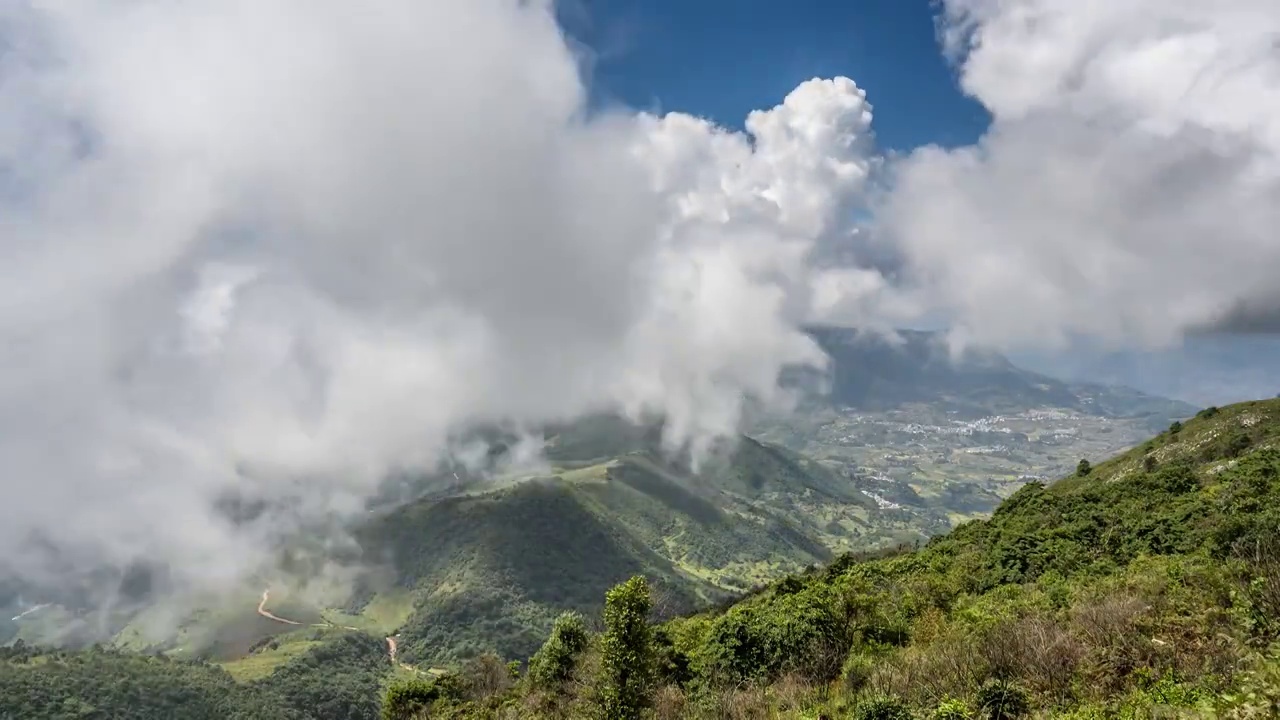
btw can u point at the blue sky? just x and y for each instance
(724, 58)
(721, 59)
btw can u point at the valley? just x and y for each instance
(456, 566)
(928, 456)
(1147, 582)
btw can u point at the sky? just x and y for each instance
(723, 58)
(277, 251)
(720, 59)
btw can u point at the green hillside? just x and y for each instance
(336, 679)
(1146, 586)
(490, 570)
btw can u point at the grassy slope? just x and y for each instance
(108, 684)
(1149, 587)
(1145, 582)
(322, 678)
(490, 571)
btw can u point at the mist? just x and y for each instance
(276, 252)
(282, 250)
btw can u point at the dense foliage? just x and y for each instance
(1149, 584)
(490, 571)
(626, 653)
(40, 685)
(337, 680)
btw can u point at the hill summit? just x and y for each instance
(879, 371)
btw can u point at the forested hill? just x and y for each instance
(1146, 585)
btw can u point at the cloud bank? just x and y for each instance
(281, 249)
(285, 248)
(1129, 187)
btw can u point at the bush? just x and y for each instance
(407, 699)
(486, 676)
(554, 662)
(856, 672)
(884, 707)
(626, 652)
(1003, 700)
(798, 633)
(951, 710)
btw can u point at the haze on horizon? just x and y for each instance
(280, 249)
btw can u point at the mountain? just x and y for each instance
(906, 418)
(871, 371)
(1143, 585)
(489, 569)
(1210, 369)
(1147, 585)
(338, 679)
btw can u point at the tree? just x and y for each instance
(1084, 468)
(1175, 428)
(554, 662)
(1002, 700)
(407, 698)
(626, 651)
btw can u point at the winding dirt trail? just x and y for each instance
(264, 612)
(393, 650)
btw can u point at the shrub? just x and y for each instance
(554, 662)
(1083, 468)
(407, 699)
(883, 707)
(486, 676)
(798, 633)
(951, 709)
(626, 652)
(1003, 700)
(856, 672)
(671, 664)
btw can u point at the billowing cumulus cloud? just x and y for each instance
(284, 248)
(280, 249)
(1129, 187)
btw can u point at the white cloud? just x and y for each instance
(285, 247)
(1129, 187)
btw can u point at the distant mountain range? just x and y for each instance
(468, 562)
(1205, 369)
(870, 371)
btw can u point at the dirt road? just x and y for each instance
(264, 612)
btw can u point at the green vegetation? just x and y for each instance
(40, 685)
(1125, 593)
(1148, 586)
(490, 571)
(626, 655)
(554, 662)
(337, 679)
